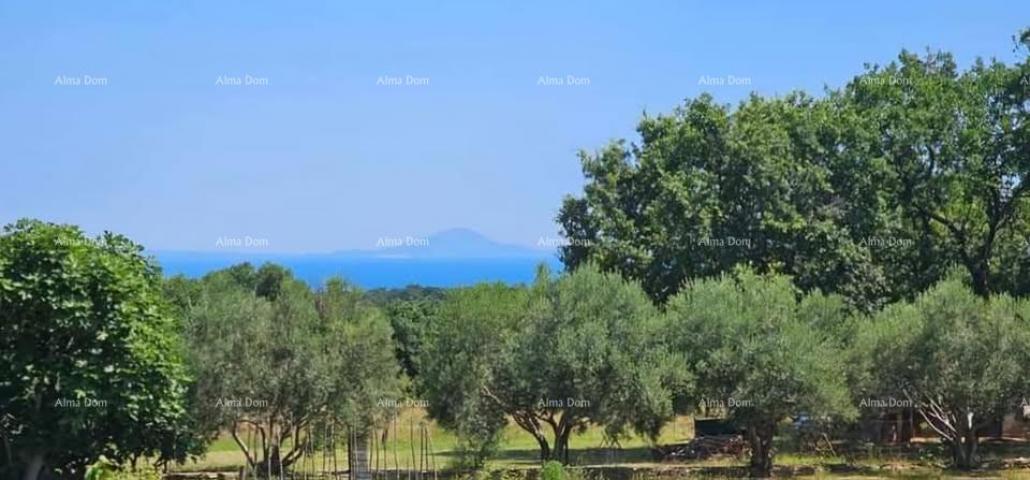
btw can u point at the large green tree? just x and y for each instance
(960, 360)
(709, 188)
(954, 147)
(555, 357)
(90, 363)
(759, 355)
(277, 360)
(872, 190)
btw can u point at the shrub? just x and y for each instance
(552, 470)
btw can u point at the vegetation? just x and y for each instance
(958, 359)
(272, 356)
(552, 470)
(786, 259)
(951, 150)
(871, 191)
(410, 311)
(556, 356)
(760, 355)
(90, 364)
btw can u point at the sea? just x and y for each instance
(370, 273)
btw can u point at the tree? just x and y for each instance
(276, 359)
(410, 319)
(472, 336)
(410, 311)
(871, 191)
(90, 363)
(956, 150)
(760, 355)
(589, 351)
(366, 378)
(556, 357)
(957, 358)
(710, 188)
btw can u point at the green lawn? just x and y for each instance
(517, 448)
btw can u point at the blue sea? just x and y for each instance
(372, 273)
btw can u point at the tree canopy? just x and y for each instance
(90, 363)
(952, 151)
(275, 358)
(760, 355)
(870, 191)
(958, 359)
(555, 357)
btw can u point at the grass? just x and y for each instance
(517, 446)
(519, 450)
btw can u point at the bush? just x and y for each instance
(552, 470)
(471, 455)
(104, 469)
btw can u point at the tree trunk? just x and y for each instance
(33, 467)
(561, 445)
(545, 449)
(271, 465)
(910, 424)
(981, 274)
(274, 462)
(529, 424)
(760, 437)
(964, 450)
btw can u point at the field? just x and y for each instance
(633, 460)
(518, 447)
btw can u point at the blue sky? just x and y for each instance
(321, 152)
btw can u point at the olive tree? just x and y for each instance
(275, 359)
(554, 357)
(759, 354)
(958, 359)
(90, 364)
(472, 334)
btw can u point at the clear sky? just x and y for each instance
(319, 149)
